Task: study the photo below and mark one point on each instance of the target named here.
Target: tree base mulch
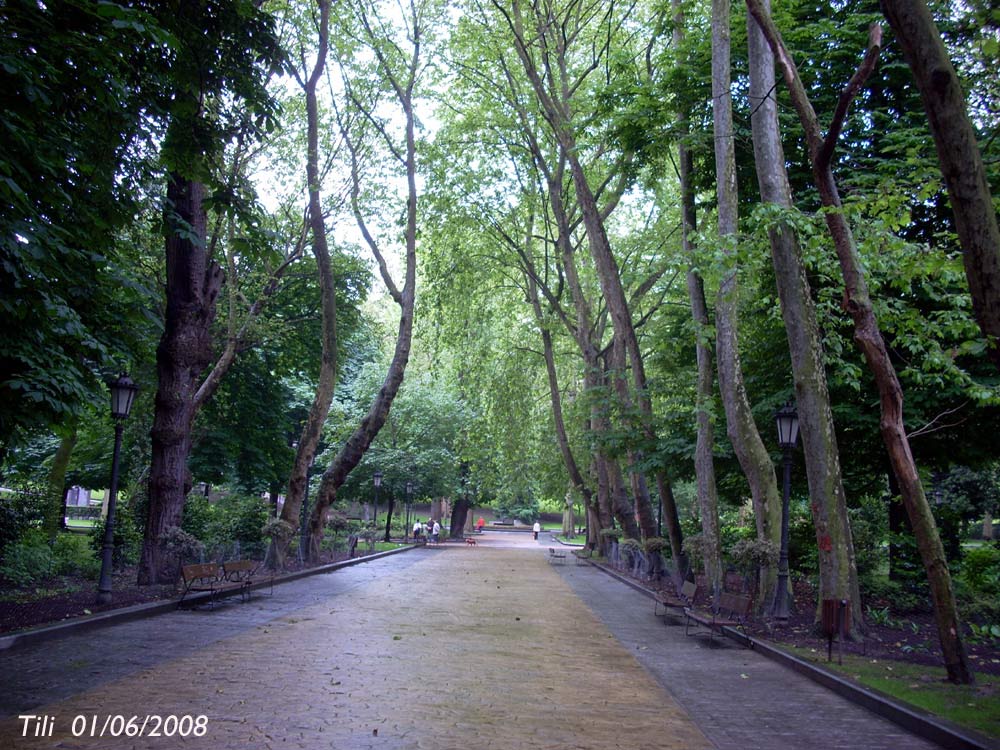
(65, 597)
(910, 637)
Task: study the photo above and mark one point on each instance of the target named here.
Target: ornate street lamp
(377, 480)
(123, 393)
(787, 420)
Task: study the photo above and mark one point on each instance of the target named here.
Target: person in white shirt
(536, 528)
(436, 532)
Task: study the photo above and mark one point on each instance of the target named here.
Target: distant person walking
(436, 532)
(536, 528)
(479, 525)
(417, 529)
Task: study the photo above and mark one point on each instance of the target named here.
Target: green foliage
(870, 534)
(751, 554)
(28, 560)
(980, 569)
(74, 556)
(20, 510)
(127, 537)
(893, 596)
(656, 544)
(232, 526)
(181, 545)
(630, 545)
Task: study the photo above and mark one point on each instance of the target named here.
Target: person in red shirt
(479, 524)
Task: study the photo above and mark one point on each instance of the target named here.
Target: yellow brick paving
(482, 647)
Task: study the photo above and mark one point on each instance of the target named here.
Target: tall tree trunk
(55, 497)
(354, 449)
(857, 302)
(312, 429)
(642, 509)
(548, 351)
(555, 101)
(459, 516)
(185, 350)
(740, 426)
(704, 462)
(959, 157)
(838, 576)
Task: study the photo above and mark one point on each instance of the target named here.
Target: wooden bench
(730, 611)
(211, 578)
(246, 572)
(682, 601)
(556, 554)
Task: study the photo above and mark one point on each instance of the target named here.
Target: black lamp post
(123, 393)
(377, 480)
(787, 420)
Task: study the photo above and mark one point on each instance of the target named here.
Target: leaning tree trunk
(55, 497)
(548, 351)
(357, 444)
(858, 304)
(704, 462)
(185, 350)
(740, 426)
(959, 157)
(838, 576)
(320, 408)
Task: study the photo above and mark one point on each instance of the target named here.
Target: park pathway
(456, 647)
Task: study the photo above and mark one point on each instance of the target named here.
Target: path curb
(31, 636)
(941, 731)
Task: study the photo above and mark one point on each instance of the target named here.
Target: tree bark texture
(459, 516)
(838, 578)
(185, 350)
(55, 497)
(319, 409)
(740, 426)
(959, 156)
(857, 303)
(552, 91)
(704, 462)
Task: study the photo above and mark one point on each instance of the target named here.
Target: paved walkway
(457, 647)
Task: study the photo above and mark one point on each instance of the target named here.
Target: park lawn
(974, 706)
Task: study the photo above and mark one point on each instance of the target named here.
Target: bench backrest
(199, 570)
(735, 604)
(239, 566)
(239, 570)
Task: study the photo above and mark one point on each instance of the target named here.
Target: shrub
(694, 549)
(656, 544)
(19, 511)
(751, 554)
(981, 569)
(630, 545)
(181, 545)
(127, 539)
(28, 560)
(611, 534)
(73, 556)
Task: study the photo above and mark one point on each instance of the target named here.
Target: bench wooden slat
(730, 611)
(683, 599)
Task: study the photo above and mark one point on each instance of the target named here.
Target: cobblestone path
(479, 647)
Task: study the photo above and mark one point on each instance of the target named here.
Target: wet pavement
(458, 646)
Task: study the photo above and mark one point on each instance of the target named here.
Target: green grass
(974, 706)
